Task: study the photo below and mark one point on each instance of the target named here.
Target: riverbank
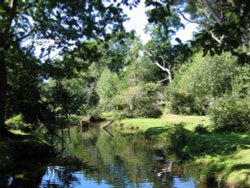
(225, 157)
(23, 150)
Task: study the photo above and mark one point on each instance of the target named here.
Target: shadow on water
(92, 158)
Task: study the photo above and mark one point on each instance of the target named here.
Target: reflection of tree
(93, 156)
(30, 176)
(119, 161)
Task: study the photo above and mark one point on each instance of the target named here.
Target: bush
(199, 81)
(95, 116)
(184, 103)
(177, 140)
(200, 129)
(17, 123)
(139, 101)
(231, 114)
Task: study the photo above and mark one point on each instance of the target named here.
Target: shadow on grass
(201, 144)
(186, 145)
(219, 143)
(244, 178)
(155, 131)
(241, 167)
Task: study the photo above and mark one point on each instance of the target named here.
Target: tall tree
(63, 21)
(160, 49)
(224, 24)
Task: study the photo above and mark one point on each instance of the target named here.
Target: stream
(92, 158)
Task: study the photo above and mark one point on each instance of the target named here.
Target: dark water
(95, 159)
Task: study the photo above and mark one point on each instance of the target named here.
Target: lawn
(142, 124)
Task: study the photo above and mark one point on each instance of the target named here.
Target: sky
(138, 22)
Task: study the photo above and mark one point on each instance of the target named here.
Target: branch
(104, 128)
(163, 68)
(219, 40)
(232, 2)
(149, 53)
(160, 81)
(213, 12)
(165, 62)
(185, 18)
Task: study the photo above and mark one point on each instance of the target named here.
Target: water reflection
(94, 159)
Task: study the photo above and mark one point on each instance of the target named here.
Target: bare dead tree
(164, 66)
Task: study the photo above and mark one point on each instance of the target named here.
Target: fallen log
(104, 128)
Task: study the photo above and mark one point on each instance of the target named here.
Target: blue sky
(138, 22)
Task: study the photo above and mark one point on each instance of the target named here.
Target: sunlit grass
(231, 170)
(145, 123)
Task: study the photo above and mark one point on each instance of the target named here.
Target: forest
(64, 60)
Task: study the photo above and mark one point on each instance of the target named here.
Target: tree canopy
(101, 66)
(63, 21)
(223, 24)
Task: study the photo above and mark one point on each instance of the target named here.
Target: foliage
(17, 123)
(231, 113)
(66, 96)
(223, 24)
(139, 101)
(23, 92)
(46, 24)
(201, 129)
(95, 115)
(200, 81)
(175, 137)
(184, 103)
(106, 88)
(241, 82)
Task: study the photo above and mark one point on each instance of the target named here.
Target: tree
(107, 87)
(224, 24)
(201, 81)
(159, 49)
(64, 21)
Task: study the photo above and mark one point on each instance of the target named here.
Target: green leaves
(224, 25)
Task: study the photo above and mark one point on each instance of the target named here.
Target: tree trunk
(3, 83)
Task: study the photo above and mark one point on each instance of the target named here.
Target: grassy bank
(225, 156)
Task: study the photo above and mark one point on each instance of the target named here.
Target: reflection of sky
(79, 180)
(180, 183)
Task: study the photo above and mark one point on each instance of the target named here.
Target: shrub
(200, 129)
(17, 123)
(177, 141)
(139, 101)
(231, 114)
(200, 80)
(183, 103)
(95, 116)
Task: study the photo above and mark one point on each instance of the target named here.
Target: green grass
(237, 168)
(231, 170)
(145, 123)
(223, 155)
